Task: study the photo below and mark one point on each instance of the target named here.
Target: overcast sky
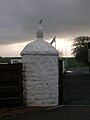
(63, 18)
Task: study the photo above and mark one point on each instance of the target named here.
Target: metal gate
(11, 92)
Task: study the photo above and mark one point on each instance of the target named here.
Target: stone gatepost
(40, 73)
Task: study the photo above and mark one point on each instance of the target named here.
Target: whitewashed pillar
(40, 71)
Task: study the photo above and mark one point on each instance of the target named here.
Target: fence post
(60, 82)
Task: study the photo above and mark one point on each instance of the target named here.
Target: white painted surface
(63, 66)
(39, 46)
(40, 71)
(13, 61)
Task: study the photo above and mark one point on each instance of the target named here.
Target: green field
(71, 62)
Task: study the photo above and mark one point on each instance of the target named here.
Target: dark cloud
(18, 18)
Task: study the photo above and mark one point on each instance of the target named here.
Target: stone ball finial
(39, 33)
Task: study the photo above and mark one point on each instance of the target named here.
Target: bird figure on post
(40, 21)
(39, 33)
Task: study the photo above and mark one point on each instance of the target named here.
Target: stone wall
(40, 80)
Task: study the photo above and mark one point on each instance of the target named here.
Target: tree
(80, 49)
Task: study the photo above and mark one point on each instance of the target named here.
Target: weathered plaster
(40, 72)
